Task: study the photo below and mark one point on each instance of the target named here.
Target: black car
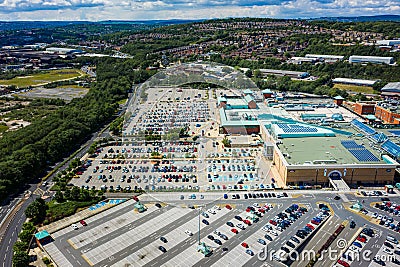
(237, 217)
(336, 198)
(217, 241)
(162, 249)
(245, 196)
(163, 239)
(290, 244)
(295, 239)
(388, 245)
(254, 196)
(230, 224)
(210, 237)
(268, 237)
(205, 222)
(265, 195)
(285, 249)
(158, 205)
(352, 224)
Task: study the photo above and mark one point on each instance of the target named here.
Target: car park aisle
(132, 236)
(107, 228)
(174, 239)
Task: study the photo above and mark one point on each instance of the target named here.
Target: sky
(97, 10)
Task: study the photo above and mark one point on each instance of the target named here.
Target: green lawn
(355, 88)
(42, 78)
(57, 211)
(3, 128)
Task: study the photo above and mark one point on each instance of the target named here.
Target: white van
(392, 239)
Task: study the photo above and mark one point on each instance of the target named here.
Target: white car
(216, 208)
(211, 211)
(74, 226)
(256, 205)
(189, 233)
(240, 226)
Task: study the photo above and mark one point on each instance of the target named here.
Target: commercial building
(388, 42)
(357, 155)
(371, 59)
(325, 58)
(358, 82)
(387, 114)
(63, 51)
(391, 89)
(293, 74)
(364, 107)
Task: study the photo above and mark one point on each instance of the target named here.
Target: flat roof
(391, 87)
(325, 56)
(354, 81)
(283, 72)
(298, 151)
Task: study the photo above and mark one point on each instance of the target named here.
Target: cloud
(95, 10)
(32, 5)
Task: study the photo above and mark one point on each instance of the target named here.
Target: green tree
(20, 259)
(59, 196)
(36, 211)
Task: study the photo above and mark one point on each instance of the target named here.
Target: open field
(355, 88)
(42, 78)
(66, 92)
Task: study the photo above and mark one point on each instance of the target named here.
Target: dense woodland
(26, 153)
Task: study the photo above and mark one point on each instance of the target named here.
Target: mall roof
(297, 150)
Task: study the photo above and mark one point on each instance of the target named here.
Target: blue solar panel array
(391, 148)
(380, 137)
(351, 144)
(295, 128)
(362, 127)
(364, 155)
(359, 151)
(395, 132)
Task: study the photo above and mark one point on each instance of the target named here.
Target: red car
(245, 245)
(314, 222)
(247, 222)
(310, 226)
(261, 210)
(272, 222)
(233, 230)
(135, 198)
(248, 210)
(228, 207)
(83, 222)
(361, 239)
(345, 264)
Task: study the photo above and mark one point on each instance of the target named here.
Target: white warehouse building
(371, 59)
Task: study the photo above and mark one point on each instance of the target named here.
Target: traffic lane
(11, 234)
(347, 234)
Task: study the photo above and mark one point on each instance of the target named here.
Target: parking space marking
(130, 237)
(57, 255)
(107, 228)
(174, 237)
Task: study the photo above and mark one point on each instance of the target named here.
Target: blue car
(357, 244)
